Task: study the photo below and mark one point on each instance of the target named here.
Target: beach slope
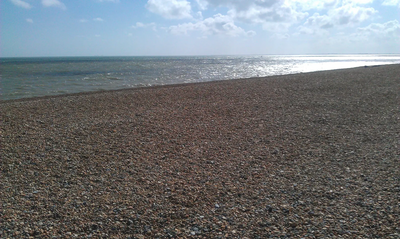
(308, 155)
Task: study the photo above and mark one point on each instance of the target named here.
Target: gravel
(312, 155)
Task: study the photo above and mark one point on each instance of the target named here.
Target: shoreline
(174, 85)
(309, 155)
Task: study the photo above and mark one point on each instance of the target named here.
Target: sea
(43, 76)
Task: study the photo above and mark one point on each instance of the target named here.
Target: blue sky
(197, 27)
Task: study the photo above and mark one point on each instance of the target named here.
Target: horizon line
(205, 55)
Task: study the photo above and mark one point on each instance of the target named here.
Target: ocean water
(32, 77)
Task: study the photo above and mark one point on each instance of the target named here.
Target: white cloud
(83, 20)
(391, 3)
(242, 4)
(170, 9)
(203, 4)
(138, 25)
(21, 3)
(316, 25)
(386, 31)
(217, 25)
(306, 30)
(318, 21)
(276, 17)
(306, 5)
(376, 37)
(281, 14)
(350, 14)
(98, 19)
(357, 2)
(198, 16)
(323, 19)
(29, 20)
(54, 3)
(116, 1)
(343, 16)
(271, 14)
(280, 36)
(143, 25)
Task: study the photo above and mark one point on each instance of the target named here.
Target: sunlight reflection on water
(30, 77)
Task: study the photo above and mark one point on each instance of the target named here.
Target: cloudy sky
(197, 27)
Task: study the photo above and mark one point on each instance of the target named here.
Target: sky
(32, 28)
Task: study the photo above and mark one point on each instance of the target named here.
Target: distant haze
(197, 27)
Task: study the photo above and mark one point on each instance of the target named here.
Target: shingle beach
(312, 155)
